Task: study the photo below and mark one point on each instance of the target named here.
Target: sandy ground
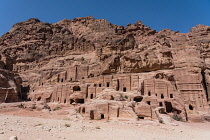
(37, 125)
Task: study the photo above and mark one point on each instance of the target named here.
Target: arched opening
(39, 99)
(102, 116)
(83, 110)
(149, 93)
(162, 96)
(107, 84)
(76, 88)
(61, 80)
(169, 107)
(160, 104)
(190, 107)
(124, 89)
(99, 85)
(91, 96)
(58, 98)
(92, 115)
(70, 79)
(148, 102)
(138, 99)
(171, 96)
(65, 101)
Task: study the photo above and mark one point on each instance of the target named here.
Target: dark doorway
(162, 96)
(124, 89)
(169, 107)
(81, 101)
(99, 85)
(190, 107)
(102, 116)
(83, 110)
(107, 84)
(171, 96)
(76, 88)
(148, 102)
(118, 112)
(160, 104)
(138, 99)
(91, 96)
(92, 115)
(149, 93)
(65, 101)
(118, 85)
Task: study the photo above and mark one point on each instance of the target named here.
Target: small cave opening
(111, 97)
(91, 96)
(124, 89)
(81, 101)
(39, 99)
(162, 96)
(190, 107)
(169, 107)
(102, 116)
(138, 98)
(76, 88)
(71, 101)
(171, 96)
(92, 115)
(99, 85)
(141, 118)
(148, 102)
(83, 110)
(149, 93)
(65, 101)
(160, 104)
(107, 84)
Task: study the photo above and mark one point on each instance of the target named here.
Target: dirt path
(30, 128)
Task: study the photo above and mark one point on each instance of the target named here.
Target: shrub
(161, 121)
(98, 127)
(67, 125)
(126, 97)
(21, 106)
(56, 108)
(177, 118)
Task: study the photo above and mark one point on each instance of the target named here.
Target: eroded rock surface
(107, 71)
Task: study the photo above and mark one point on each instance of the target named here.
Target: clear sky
(178, 15)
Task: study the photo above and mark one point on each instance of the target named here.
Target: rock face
(108, 71)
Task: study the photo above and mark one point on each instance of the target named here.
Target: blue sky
(178, 15)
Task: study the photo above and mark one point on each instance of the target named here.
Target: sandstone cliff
(91, 61)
